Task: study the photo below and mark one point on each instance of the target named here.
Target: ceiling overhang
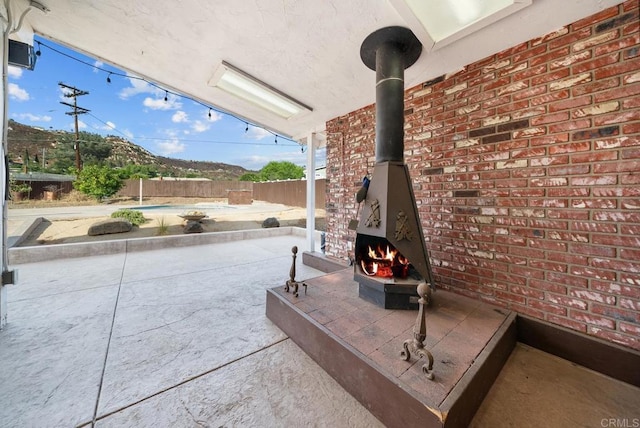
(307, 50)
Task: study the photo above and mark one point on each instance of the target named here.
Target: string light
(209, 114)
(246, 129)
(167, 92)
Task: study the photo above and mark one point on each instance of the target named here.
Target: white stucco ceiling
(308, 49)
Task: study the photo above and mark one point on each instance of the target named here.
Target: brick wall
(526, 169)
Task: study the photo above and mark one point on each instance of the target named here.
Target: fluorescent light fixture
(242, 85)
(445, 21)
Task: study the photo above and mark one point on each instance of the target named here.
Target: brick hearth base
(359, 345)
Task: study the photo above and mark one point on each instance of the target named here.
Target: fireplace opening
(377, 257)
(385, 276)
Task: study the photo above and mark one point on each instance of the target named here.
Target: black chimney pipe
(389, 51)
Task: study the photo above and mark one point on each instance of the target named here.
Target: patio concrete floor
(178, 337)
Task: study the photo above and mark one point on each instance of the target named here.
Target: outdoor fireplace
(390, 252)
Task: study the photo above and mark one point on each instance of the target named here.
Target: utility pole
(75, 93)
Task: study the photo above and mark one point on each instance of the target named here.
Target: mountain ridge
(40, 144)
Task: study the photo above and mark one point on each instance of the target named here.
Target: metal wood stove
(390, 252)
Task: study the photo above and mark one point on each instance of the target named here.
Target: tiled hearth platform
(359, 345)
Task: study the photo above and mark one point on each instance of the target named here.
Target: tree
(249, 176)
(280, 170)
(98, 181)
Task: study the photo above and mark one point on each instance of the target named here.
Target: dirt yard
(59, 231)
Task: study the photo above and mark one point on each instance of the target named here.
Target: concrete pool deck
(178, 337)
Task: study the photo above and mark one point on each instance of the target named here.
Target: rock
(270, 222)
(193, 226)
(109, 226)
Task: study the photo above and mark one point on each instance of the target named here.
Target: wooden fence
(185, 189)
(292, 193)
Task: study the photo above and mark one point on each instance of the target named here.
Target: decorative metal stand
(416, 345)
(291, 282)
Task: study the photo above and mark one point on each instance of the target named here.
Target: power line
(167, 92)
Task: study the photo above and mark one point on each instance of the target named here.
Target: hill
(42, 146)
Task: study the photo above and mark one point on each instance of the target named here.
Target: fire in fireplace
(390, 251)
(383, 260)
(379, 258)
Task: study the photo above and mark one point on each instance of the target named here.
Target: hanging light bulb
(247, 128)
(276, 139)
(209, 114)
(109, 78)
(38, 53)
(166, 96)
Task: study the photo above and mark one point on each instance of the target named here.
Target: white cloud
(199, 126)
(81, 125)
(179, 117)
(17, 93)
(32, 117)
(109, 126)
(15, 72)
(172, 103)
(167, 148)
(128, 134)
(258, 133)
(138, 87)
(96, 65)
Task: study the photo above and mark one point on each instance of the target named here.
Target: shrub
(98, 181)
(134, 216)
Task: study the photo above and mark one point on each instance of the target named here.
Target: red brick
(621, 166)
(617, 288)
(595, 87)
(594, 157)
(599, 180)
(590, 272)
(616, 313)
(567, 280)
(612, 336)
(634, 330)
(565, 322)
(592, 319)
(634, 305)
(626, 253)
(570, 126)
(509, 297)
(570, 103)
(616, 93)
(548, 307)
(617, 45)
(570, 170)
(570, 38)
(595, 19)
(621, 68)
(497, 83)
(623, 241)
(593, 296)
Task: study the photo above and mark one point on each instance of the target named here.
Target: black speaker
(21, 55)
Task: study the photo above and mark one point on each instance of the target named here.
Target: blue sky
(137, 111)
